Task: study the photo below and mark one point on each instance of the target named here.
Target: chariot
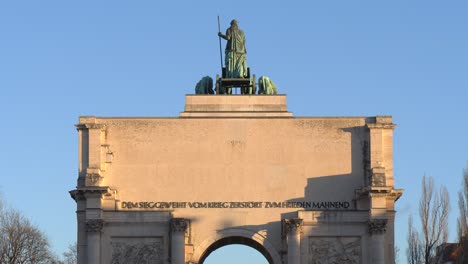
(225, 85)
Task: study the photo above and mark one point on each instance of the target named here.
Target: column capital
(293, 225)
(94, 225)
(377, 226)
(179, 224)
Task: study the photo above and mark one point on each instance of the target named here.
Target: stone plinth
(235, 106)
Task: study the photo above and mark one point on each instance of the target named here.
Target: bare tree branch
(434, 209)
(20, 241)
(414, 252)
(71, 256)
(462, 222)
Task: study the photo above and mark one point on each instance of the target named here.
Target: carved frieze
(134, 250)
(377, 226)
(331, 250)
(94, 225)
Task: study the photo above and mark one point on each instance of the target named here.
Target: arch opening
(236, 240)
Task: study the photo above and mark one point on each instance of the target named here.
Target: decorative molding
(395, 194)
(293, 225)
(383, 119)
(81, 192)
(77, 195)
(381, 126)
(343, 250)
(179, 224)
(90, 126)
(375, 191)
(94, 225)
(377, 226)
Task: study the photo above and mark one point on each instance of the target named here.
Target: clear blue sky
(63, 59)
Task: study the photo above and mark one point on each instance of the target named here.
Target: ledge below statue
(235, 106)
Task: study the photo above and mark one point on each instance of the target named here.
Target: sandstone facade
(235, 169)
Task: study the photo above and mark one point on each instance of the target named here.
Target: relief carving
(334, 250)
(93, 179)
(137, 252)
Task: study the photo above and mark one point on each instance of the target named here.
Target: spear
(220, 49)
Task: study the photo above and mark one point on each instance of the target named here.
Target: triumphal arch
(235, 169)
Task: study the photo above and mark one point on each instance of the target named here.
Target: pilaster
(90, 223)
(293, 228)
(377, 230)
(381, 151)
(93, 230)
(94, 153)
(178, 228)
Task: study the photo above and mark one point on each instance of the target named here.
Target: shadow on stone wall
(329, 188)
(341, 188)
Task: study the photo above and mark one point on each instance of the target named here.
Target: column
(178, 227)
(93, 232)
(377, 228)
(294, 227)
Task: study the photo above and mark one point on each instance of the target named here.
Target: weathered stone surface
(232, 169)
(331, 250)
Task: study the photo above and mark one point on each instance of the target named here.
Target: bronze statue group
(235, 73)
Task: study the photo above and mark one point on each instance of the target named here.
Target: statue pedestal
(235, 106)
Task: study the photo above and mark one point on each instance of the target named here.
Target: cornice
(81, 192)
(381, 126)
(83, 126)
(374, 191)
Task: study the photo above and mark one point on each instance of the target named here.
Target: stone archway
(236, 240)
(237, 236)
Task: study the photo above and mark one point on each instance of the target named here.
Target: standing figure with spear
(235, 60)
